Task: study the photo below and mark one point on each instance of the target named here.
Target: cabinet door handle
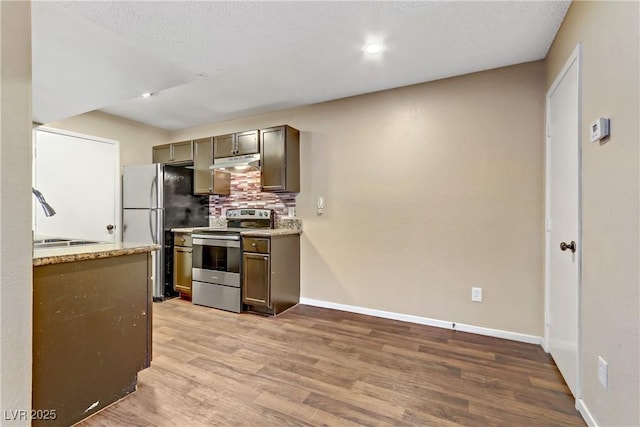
(253, 245)
(266, 258)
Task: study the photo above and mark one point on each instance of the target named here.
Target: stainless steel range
(217, 259)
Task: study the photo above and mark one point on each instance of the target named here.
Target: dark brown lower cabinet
(182, 270)
(182, 263)
(91, 335)
(271, 273)
(256, 279)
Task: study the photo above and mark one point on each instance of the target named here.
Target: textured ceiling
(212, 61)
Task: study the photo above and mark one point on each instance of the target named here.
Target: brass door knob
(571, 246)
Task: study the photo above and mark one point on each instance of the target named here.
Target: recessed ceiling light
(373, 48)
(147, 94)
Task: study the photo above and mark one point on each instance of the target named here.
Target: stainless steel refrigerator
(155, 199)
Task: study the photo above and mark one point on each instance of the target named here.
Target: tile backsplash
(245, 193)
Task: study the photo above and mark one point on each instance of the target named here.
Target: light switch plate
(599, 129)
(320, 205)
(476, 294)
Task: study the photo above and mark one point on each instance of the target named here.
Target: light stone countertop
(284, 226)
(46, 256)
(271, 232)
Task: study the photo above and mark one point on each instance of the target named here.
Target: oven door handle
(212, 237)
(226, 241)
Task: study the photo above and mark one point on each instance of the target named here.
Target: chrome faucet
(48, 210)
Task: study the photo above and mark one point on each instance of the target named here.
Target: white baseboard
(586, 415)
(514, 336)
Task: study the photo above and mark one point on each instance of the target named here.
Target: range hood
(244, 163)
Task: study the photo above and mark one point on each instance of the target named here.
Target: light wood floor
(319, 367)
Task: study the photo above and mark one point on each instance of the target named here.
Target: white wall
(610, 306)
(15, 209)
(136, 139)
(429, 190)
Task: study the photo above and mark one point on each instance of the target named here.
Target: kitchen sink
(83, 242)
(41, 241)
(61, 243)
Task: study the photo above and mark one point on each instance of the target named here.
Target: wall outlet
(603, 372)
(476, 294)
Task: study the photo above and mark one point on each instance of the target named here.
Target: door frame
(576, 56)
(118, 173)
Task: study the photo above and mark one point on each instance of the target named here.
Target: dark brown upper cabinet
(237, 144)
(247, 142)
(175, 153)
(206, 181)
(225, 145)
(162, 153)
(280, 159)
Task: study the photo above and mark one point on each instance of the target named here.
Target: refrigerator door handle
(152, 230)
(160, 226)
(154, 184)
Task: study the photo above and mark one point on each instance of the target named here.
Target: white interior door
(79, 176)
(563, 244)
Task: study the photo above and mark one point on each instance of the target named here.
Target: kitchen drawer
(217, 296)
(182, 239)
(254, 244)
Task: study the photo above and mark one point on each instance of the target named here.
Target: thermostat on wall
(599, 129)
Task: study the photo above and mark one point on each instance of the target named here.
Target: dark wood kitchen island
(91, 328)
